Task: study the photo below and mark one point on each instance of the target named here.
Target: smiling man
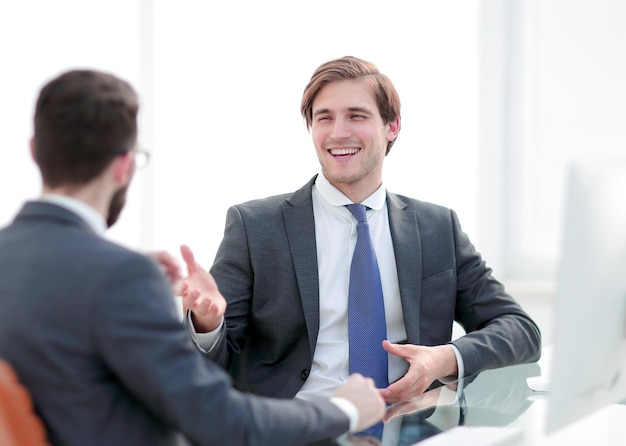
(284, 268)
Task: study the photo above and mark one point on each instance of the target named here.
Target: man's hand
(361, 392)
(170, 267)
(201, 295)
(426, 364)
(418, 403)
(440, 396)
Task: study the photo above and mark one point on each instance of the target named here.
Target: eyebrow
(350, 109)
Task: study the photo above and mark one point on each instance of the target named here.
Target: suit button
(304, 374)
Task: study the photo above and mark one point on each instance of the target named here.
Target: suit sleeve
(499, 331)
(233, 272)
(141, 340)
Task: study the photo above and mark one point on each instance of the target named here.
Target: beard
(115, 207)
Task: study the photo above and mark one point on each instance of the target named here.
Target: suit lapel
(300, 224)
(408, 252)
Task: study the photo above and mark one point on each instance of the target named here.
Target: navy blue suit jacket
(93, 332)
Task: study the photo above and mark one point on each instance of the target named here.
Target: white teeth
(344, 151)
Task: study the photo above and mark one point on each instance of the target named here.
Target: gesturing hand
(200, 295)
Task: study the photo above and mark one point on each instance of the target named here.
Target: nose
(340, 130)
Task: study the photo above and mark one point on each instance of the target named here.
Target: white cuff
(349, 409)
(204, 341)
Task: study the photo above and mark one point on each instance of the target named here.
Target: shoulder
(124, 259)
(271, 204)
(423, 208)
(274, 205)
(430, 217)
(128, 279)
(109, 262)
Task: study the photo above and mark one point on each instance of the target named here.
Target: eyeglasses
(142, 156)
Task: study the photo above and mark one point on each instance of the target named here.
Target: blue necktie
(366, 309)
(366, 312)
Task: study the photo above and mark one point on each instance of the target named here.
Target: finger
(188, 257)
(177, 287)
(213, 309)
(184, 289)
(191, 295)
(201, 304)
(187, 302)
(209, 309)
(200, 307)
(396, 349)
(165, 262)
(173, 273)
(396, 391)
(168, 260)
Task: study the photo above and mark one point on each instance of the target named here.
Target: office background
(497, 96)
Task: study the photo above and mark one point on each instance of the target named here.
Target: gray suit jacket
(93, 333)
(266, 267)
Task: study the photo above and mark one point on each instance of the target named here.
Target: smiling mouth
(344, 151)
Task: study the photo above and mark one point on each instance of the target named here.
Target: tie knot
(358, 210)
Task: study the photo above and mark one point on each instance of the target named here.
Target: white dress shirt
(335, 234)
(84, 211)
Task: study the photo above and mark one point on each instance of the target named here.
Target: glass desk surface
(499, 397)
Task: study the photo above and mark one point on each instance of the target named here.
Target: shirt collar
(334, 197)
(84, 211)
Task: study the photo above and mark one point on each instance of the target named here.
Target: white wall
(563, 96)
(228, 85)
(497, 95)
(38, 40)
(221, 87)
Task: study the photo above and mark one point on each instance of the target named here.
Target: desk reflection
(491, 398)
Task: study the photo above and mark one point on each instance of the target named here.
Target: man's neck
(83, 210)
(89, 194)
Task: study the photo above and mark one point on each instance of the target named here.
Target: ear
(394, 129)
(123, 168)
(32, 150)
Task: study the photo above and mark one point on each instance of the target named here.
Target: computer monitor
(588, 369)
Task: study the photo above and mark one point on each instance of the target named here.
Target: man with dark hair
(91, 327)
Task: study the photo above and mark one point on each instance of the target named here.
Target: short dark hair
(83, 119)
(350, 67)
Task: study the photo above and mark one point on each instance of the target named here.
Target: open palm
(201, 295)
